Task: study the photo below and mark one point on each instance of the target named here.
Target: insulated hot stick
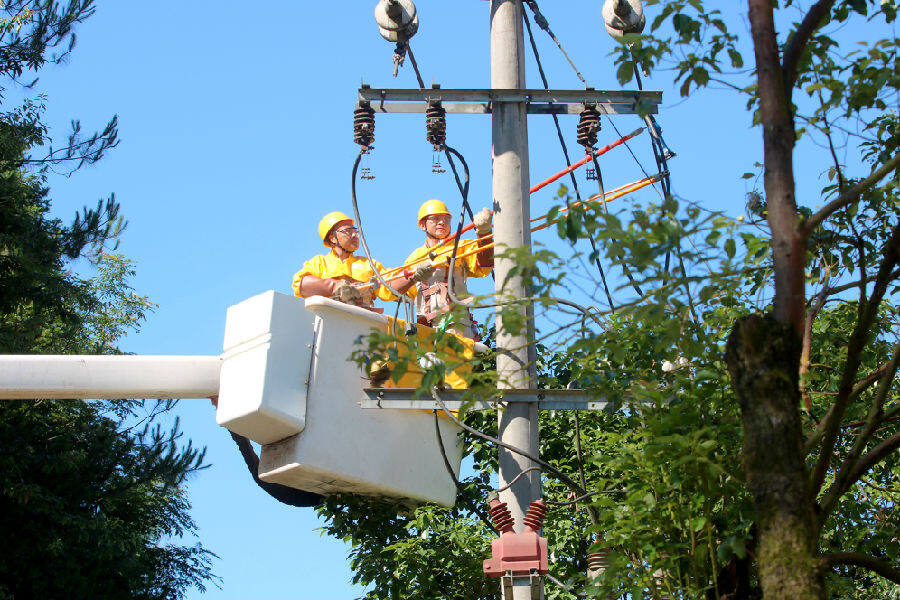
(568, 170)
(587, 159)
(405, 271)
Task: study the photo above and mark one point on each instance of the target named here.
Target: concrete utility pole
(518, 424)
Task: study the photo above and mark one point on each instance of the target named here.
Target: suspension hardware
(436, 166)
(364, 125)
(656, 132)
(399, 56)
(588, 127)
(397, 22)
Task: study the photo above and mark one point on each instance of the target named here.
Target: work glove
(423, 271)
(483, 220)
(366, 294)
(347, 293)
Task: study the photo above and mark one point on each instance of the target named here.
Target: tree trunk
(763, 357)
(777, 120)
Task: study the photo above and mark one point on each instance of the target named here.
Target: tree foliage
(92, 494)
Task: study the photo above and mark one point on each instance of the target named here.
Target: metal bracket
(406, 398)
(539, 101)
(532, 580)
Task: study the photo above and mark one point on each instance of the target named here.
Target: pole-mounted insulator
(436, 125)
(500, 515)
(588, 127)
(623, 16)
(364, 124)
(597, 563)
(534, 518)
(397, 19)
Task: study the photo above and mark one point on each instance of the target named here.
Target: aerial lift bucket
(287, 382)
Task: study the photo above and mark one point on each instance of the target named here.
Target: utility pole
(518, 423)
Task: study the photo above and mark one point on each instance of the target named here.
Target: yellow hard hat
(432, 207)
(328, 222)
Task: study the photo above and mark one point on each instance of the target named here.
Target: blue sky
(235, 123)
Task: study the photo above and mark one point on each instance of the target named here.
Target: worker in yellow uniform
(343, 276)
(433, 303)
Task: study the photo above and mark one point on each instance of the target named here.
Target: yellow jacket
(329, 266)
(468, 266)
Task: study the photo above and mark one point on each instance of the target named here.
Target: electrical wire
(572, 501)
(517, 477)
(537, 58)
(565, 150)
(456, 482)
(564, 586)
(415, 65)
(541, 20)
(464, 190)
(547, 467)
(411, 309)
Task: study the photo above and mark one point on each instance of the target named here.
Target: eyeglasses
(438, 218)
(347, 230)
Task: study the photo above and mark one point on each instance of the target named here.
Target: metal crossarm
(537, 101)
(401, 398)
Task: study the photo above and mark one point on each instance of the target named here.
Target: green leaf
(625, 72)
(730, 247)
(700, 75)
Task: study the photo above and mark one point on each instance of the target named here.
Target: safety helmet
(328, 222)
(432, 207)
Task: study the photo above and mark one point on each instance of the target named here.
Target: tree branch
(877, 454)
(795, 46)
(843, 288)
(847, 475)
(850, 196)
(862, 560)
(811, 315)
(864, 383)
(858, 339)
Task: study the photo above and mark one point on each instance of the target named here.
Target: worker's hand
(423, 271)
(483, 220)
(347, 293)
